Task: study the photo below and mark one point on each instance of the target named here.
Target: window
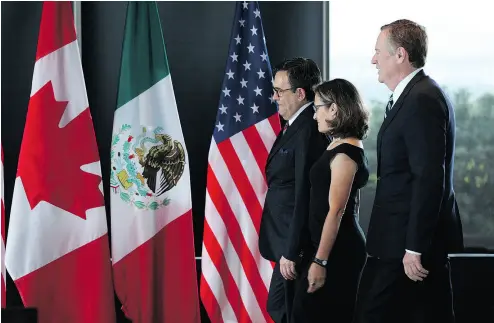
(461, 59)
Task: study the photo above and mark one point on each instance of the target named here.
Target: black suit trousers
(387, 295)
(280, 297)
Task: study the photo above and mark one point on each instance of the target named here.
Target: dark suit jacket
(415, 206)
(286, 209)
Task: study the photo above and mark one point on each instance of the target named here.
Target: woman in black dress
(327, 287)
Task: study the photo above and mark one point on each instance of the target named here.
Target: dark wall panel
(197, 36)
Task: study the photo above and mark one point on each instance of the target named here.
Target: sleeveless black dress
(335, 301)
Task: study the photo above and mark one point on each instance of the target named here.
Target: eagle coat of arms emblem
(145, 167)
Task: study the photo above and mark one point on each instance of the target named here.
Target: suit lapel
(282, 139)
(393, 112)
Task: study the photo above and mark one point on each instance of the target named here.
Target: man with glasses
(284, 234)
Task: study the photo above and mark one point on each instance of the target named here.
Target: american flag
(235, 278)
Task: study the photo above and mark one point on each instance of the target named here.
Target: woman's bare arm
(343, 170)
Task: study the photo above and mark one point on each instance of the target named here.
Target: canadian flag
(57, 249)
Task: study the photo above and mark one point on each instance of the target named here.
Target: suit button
(379, 178)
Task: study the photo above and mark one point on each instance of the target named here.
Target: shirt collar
(292, 119)
(403, 84)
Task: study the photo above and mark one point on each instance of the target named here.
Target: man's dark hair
(352, 118)
(302, 73)
(412, 37)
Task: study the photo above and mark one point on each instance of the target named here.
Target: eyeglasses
(316, 107)
(279, 91)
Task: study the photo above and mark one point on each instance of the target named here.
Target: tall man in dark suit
(415, 221)
(284, 234)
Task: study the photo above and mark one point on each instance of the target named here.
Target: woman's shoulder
(353, 148)
(346, 144)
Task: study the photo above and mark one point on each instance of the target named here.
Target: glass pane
(461, 59)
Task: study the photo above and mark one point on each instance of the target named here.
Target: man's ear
(401, 53)
(301, 94)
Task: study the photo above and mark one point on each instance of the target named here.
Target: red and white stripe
(235, 278)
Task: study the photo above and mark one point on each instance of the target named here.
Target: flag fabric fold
(235, 278)
(151, 218)
(58, 250)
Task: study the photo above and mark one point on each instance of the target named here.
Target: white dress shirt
(402, 85)
(296, 114)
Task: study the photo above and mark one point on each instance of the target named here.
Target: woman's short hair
(352, 118)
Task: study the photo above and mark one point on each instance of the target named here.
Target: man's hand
(316, 277)
(413, 267)
(287, 269)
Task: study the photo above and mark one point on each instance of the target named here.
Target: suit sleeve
(306, 154)
(425, 139)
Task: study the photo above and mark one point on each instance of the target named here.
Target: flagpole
(325, 39)
(76, 5)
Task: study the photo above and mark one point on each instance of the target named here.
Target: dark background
(197, 62)
(197, 35)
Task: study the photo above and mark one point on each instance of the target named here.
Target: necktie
(285, 127)
(388, 106)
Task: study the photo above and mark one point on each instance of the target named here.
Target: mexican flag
(151, 219)
(58, 252)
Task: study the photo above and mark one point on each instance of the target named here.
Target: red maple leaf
(51, 157)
